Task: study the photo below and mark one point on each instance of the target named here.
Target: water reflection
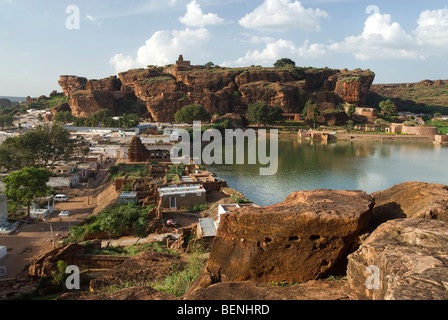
(342, 166)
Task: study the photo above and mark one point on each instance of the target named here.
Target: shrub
(179, 281)
(190, 113)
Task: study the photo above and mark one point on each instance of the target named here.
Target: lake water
(339, 166)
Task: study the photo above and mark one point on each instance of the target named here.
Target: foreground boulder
(306, 237)
(312, 290)
(130, 294)
(409, 261)
(411, 200)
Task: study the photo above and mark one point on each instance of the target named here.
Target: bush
(179, 281)
(190, 113)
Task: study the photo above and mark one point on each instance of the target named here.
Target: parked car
(61, 198)
(65, 214)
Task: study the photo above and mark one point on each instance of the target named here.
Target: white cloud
(281, 49)
(380, 39)
(257, 40)
(432, 29)
(283, 15)
(196, 18)
(163, 48)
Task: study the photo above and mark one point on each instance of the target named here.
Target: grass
(117, 219)
(196, 208)
(441, 125)
(179, 281)
(130, 170)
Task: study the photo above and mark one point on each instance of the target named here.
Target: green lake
(339, 166)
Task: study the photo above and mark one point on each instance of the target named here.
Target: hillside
(164, 90)
(423, 97)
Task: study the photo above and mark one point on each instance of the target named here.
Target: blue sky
(401, 41)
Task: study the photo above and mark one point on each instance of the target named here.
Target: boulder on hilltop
(306, 237)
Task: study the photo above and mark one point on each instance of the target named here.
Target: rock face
(165, 90)
(411, 260)
(312, 290)
(411, 200)
(85, 104)
(46, 264)
(307, 236)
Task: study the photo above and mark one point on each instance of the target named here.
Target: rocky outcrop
(46, 264)
(86, 103)
(353, 87)
(411, 200)
(5, 103)
(71, 84)
(165, 90)
(407, 260)
(306, 237)
(323, 290)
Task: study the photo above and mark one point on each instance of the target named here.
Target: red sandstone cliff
(164, 90)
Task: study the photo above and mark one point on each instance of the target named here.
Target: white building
(225, 208)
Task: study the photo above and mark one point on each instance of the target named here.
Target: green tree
(27, 184)
(315, 114)
(261, 113)
(64, 117)
(284, 62)
(140, 229)
(190, 113)
(6, 120)
(111, 224)
(351, 110)
(209, 64)
(350, 125)
(41, 148)
(388, 107)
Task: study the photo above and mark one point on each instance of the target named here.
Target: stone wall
(420, 131)
(383, 138)
(441, 138)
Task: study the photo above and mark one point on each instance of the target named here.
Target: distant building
(182, 63)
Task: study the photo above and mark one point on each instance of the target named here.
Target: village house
(175, 197)
(72, 174)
